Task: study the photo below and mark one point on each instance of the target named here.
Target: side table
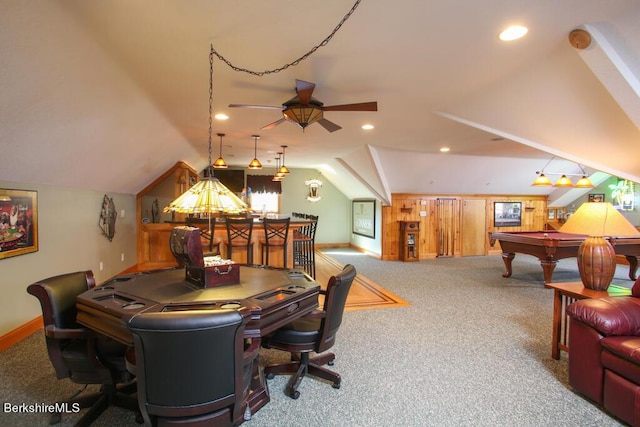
(563, 295)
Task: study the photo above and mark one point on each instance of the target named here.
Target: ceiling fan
(303, 109)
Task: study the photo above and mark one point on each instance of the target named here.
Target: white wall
(70, 239)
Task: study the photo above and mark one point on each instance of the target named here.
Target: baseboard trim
(20, 333)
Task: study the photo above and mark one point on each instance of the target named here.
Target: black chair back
(334, 303)
(239, 234)
(190, 364)
(57, 296)
(276, 234)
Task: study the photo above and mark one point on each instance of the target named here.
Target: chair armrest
(52, 331)
(610, 315)
(316, 314)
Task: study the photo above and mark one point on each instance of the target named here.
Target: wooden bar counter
(154, 251)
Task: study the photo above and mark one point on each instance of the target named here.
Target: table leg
(633, 266)
(548, 267)
(557, 325)
(507, 258)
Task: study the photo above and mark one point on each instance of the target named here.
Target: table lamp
(596, 256)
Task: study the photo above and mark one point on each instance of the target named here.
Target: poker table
(550, 246)
(273, 296)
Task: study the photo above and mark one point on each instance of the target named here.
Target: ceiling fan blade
(330, 126)
(362, 106)
(268, 107)
(304, 90)
(272, 125)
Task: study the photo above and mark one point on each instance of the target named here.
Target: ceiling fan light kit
(304, 110)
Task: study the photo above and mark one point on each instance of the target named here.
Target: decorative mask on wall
(313, 185)
(108, 218)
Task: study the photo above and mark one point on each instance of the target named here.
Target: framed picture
(507, 214)
(363, 218)
(551, 214)
(18, 222)
(596, 197)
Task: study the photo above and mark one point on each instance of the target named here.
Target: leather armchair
(315, 332)
(193, 367)
(604, 353)
(76, 352)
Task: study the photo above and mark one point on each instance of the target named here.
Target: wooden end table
(563, 295)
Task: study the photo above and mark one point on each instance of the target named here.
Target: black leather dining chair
(78, 353)
(276, 235)
(239, 235)
(315, 332)
(193, 366)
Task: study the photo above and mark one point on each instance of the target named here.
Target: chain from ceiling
(295, 62)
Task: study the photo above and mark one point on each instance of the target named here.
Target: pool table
(550, 246)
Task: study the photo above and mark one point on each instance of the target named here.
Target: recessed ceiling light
(367, 126)
(513, 32)
(221, 116)
(444, 149)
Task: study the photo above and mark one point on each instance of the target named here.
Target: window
(269, 202)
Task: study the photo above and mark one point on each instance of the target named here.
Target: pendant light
(255, 163)
(283, 169)
(277, 176)
(209, 195)
(220, 163)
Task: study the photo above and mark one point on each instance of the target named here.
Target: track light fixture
(564, 181)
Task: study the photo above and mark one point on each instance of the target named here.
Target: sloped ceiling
(108, 94)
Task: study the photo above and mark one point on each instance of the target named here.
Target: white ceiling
(108, 94)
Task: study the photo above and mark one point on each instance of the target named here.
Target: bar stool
(239, 233)
(207, 232)
(304, 248)
(276, 234)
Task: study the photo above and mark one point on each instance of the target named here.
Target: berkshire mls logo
(59, 407)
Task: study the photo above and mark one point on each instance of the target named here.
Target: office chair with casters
(276, 235)
(193, 367)
(78, 353)
(315, 332)
(239, 234)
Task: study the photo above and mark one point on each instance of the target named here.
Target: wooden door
(473, 228)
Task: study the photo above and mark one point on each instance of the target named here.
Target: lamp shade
(542, 181)
(208, 196)
(596, 257)
(599, 219)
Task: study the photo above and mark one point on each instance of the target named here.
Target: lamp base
(596, 263)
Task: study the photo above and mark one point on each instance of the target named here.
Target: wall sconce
(314, 185)
(564, 181)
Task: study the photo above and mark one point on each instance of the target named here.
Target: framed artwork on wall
(363, 218)
(596, 197)
(18, 222)
(507, 214)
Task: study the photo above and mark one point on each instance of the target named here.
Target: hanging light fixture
(220, 163)
(277, 176)
(564, 181)
(255, 163)
(208, 195)
(283, 169)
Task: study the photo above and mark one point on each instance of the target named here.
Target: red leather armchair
(604, 353)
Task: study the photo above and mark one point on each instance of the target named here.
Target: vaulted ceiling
(108, 94)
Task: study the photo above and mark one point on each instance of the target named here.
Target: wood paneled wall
(441, 222)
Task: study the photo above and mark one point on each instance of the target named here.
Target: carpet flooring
(471, 349)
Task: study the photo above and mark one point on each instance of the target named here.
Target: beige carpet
(364, 294)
